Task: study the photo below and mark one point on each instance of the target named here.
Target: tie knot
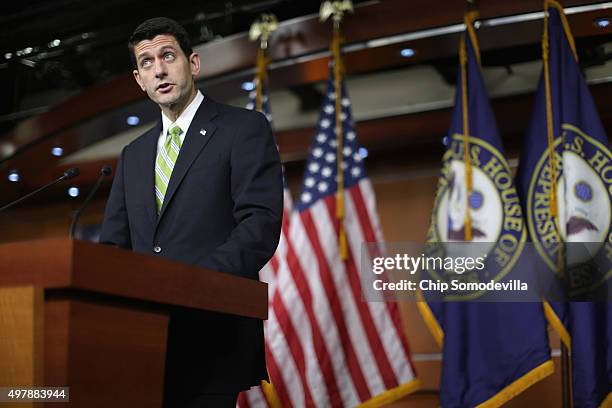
(174, 130)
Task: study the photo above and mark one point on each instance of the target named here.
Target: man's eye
(169, 56)
(145, 62)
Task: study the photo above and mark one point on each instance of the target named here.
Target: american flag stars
(320, 178)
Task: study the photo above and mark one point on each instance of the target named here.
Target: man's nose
(160, 68)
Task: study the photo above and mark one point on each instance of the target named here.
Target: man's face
(164, 71)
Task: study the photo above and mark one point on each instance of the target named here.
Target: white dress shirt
(183, 121)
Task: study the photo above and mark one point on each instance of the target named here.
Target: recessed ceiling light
(74, 192)
(13, 176)
(603, 22)
(248, 86)
(57, 151)
(407, 52)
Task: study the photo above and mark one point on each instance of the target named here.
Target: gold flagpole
(261, 31)
(549, 119)
(566, 383)
(336, 10)
(469, 17)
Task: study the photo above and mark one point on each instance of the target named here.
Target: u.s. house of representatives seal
(583, 179)
(497, 226)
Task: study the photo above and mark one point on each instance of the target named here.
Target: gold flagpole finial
(335, 9)
(262, 28)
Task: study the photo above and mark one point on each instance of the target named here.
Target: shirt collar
(184, 120)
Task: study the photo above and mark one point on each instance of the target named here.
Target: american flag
(328, 347)
(264, 396)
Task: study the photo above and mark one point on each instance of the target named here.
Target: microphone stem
(25, 197)
(77, 214)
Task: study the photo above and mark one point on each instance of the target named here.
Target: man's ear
(194, 63)
(137, 78)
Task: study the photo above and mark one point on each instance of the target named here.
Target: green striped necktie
(166, 158)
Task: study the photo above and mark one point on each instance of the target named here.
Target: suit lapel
(200, 131)
(147, 168)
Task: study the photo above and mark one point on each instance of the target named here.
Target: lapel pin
(203, 132)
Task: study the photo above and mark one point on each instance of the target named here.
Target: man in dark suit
(204, 187)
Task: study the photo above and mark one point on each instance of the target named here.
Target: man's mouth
(165, 87)
(578, 224)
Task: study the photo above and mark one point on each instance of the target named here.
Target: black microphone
(68, 174)
(105, 171)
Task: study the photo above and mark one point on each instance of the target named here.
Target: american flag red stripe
(322, 323)
(288, 372)
(292, 375)
(386, 315)
(368, 221)
(278, 320)
(333, 294)
(319, 376)
(288, 327)
(242, 400)
(352, 276)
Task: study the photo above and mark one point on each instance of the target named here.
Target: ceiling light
(13, 176)
(74, 192)
(407, 52)
(57, 151)
(603, 22)
(248, 86)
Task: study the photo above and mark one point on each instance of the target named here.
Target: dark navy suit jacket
(222, 211)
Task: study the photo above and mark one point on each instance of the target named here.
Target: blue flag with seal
(565, 184)
(491, 351)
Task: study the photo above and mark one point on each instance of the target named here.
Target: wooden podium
(95, 318)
